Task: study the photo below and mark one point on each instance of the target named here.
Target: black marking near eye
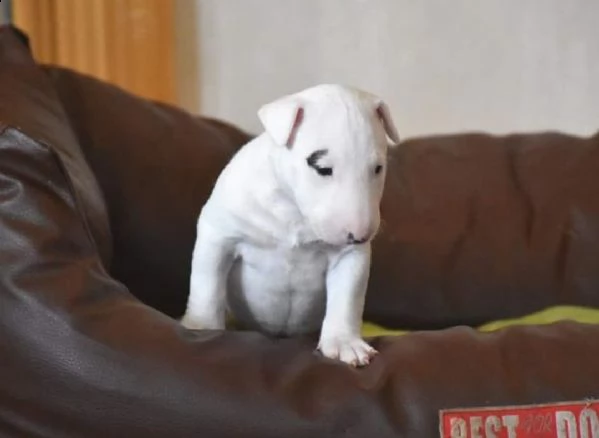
(312, 161)
(378, 169)
(313, 158)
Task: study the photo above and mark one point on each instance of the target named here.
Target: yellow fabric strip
(550, 315)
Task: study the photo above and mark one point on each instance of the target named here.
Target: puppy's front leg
(347, 281)
(211, 261)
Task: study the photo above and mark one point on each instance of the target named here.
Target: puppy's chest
(288, 268)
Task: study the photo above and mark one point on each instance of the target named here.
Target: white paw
(199, 323)
(351, 350)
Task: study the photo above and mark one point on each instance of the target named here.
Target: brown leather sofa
(99, 193)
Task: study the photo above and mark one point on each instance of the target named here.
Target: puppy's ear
(281, 119)
(382, 111)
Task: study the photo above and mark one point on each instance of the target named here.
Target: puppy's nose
(352, 240)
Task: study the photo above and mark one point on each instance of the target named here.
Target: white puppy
(283, 242)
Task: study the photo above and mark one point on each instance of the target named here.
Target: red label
(557, 420)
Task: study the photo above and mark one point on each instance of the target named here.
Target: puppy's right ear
(281, 119)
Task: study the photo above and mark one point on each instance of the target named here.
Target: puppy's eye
(324, 171)
(378, 169)
(313, 159)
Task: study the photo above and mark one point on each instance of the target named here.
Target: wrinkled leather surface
(80, 356)
(482, 227)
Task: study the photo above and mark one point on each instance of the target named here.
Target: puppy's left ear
(382, 111)
(282, 118)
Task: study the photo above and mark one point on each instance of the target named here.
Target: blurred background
(442, 66)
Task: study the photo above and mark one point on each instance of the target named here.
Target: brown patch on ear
(299, 117)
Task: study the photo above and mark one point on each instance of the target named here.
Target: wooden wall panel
(130, 43)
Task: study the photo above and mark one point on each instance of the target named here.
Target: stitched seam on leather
(75, 93)
(71, 188)
(80, 210)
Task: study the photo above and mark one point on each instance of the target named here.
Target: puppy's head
(333, 141)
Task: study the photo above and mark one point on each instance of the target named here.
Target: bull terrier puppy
(283, 242)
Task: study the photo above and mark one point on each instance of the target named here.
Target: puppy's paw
(198, 323)
(351, 350)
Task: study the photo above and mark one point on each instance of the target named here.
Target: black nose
(351, 239)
